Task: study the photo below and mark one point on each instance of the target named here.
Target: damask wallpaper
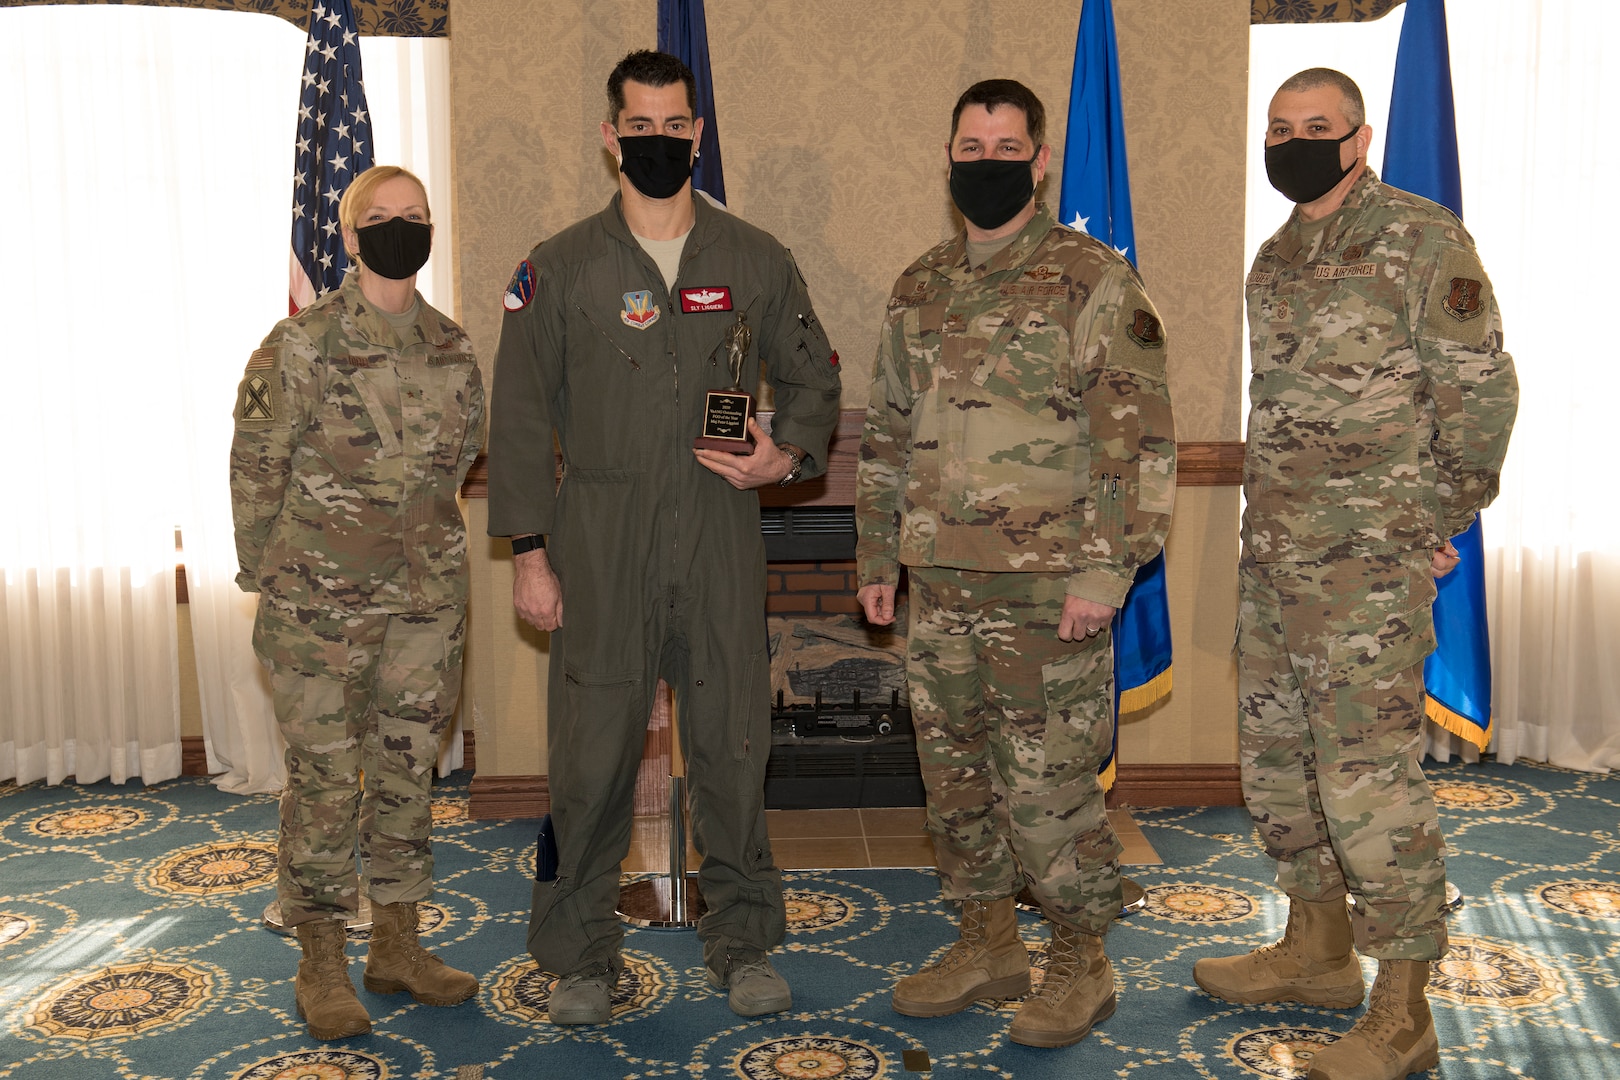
(833, 121)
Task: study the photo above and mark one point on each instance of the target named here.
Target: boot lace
(975, 923)
(1064, 966)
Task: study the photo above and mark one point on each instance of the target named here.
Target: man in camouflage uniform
(1019, 459)
(356, 421)
(1381, 403)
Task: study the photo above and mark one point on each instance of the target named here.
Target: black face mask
(990, 192)
(395, 248)
(1304, 170)
(658, 165)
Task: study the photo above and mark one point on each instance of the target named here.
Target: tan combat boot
(323, 992)
(1314, 964)
(1394, 1038)
(1076, 993)
(396, 962)
(987, 961)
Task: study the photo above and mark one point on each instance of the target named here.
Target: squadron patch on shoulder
(1462, 301)
(1459, 293)
(1145, 330)
(639, 310)
(256, 400)
(520, 290)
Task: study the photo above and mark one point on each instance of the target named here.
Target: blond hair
(362, 192)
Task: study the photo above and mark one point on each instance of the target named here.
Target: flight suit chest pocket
(1026, 360)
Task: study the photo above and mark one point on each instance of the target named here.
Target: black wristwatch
(798, 465)
(520, 544)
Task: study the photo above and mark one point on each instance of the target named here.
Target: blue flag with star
(1096, 199)
(1420, 156)
(684, 32)
(333, 147)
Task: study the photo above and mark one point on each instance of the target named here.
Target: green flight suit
(661, 562)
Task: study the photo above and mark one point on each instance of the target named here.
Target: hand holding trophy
(726, 412)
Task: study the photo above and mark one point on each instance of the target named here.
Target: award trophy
(726, 412)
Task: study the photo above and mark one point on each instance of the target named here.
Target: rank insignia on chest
(1462, 302)
(706, 298)
(955, 323)
(520, 290)
(639, 310)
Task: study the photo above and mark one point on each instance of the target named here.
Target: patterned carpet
(131, 946)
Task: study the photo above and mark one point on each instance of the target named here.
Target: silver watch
(798, 465)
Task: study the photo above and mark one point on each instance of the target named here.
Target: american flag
(334, 146)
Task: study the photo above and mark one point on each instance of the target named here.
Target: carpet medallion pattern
(131, 947)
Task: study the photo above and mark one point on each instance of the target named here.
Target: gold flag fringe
(1458, 724)
(1140, 697)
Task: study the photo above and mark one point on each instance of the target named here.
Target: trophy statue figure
(726, 412)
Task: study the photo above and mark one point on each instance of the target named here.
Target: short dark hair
(993, 93)
(648, 68)
(1355, 109)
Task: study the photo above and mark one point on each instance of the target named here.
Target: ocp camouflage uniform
(351, 442)
(1380, 408)
(1018, 448)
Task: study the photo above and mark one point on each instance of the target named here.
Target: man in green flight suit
(615, 329)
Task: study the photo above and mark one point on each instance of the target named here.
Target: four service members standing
(1018, 459)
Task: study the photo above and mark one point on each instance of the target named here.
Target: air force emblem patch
(639, 310)
(520, 290)
(1144, 330)
(1463, 301)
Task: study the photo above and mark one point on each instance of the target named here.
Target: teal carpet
(131, 946)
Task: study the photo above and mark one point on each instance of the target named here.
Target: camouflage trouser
(1012, 725)
(1330, 687)
(353, 693)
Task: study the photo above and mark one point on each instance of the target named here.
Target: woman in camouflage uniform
(356, 422)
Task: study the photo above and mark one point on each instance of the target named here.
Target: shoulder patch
(1144, 329)
(1459, 301)
(261, 360)
(520, 290)
(258, 399)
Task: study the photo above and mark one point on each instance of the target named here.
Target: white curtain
(1538, 78)
(1531, 80)
(150, 182)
